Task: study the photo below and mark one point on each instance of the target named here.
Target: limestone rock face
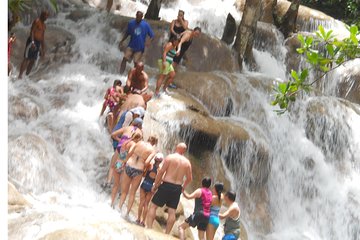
(349, 86)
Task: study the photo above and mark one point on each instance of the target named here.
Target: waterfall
(296, 176)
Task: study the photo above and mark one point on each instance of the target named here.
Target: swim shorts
(168, 67)
(169, 194)
(32, 53)
(198, 220)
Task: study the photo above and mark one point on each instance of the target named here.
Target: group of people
(137, 164)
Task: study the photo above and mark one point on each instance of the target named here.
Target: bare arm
(123, 39)
(149, 158)
(185, 36)
(160, 174)
(188, 177)
(195, 194)
(115, 135)
(146, 79)
(130, 153)
(184, 23)
(129, 79)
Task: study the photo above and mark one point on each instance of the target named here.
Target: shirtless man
(34, 44)
(232, 216)
(137, 160)
(186, 38)
(170, 182)
(138, 81)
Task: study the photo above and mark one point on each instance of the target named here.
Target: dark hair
(153, 140)
(219, 188)
(44, 14)
(117, 82)
(197, 29)
(182, 11)
(126, 89)
(174, 38)
(206, 182)
(231, 196)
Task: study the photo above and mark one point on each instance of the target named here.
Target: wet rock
(24, 108)
(349, 85)
(33, 165)
(229, 30)
(16, 202)
(78, 14)
(58, 49)
(209, 88)
(293, 59)
(153, 10)
(204, 54)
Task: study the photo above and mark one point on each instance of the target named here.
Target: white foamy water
(311, 173)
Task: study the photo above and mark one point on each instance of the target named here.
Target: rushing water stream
(59, 152)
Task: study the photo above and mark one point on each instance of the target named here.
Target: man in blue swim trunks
(34, 44)
(138, 29)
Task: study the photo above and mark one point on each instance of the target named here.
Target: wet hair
(153, 140)
(139, 12)
(182, 11)
(126, 89)
(117, 82)
(136, 136)
(197, 29)
(44, 14)
(206, 182)
(231, 196)
(219, 188)
(174, 38)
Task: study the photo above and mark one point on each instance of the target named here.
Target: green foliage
(18, 6)
(324, 53)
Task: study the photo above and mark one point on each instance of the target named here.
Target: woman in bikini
(119, 163)
(214, 220)
(145, 188)
(125, 133)
(178, 25)
(137, 160)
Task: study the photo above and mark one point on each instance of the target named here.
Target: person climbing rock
(232, 216)
(138, 81)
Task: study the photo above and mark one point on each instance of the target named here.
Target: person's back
(142, 151)
(180, 165)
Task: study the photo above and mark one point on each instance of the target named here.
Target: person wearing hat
(145, 187)
(121, 136)
(137, 160)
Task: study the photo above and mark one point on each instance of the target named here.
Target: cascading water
(297, 176)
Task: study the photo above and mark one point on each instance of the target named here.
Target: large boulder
(25, 108)
(349, 82)
(205, 53)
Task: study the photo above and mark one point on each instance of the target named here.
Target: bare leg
(158, 83)
(146, 205)
(182, 228)
(151, 216)
(125, 185)
(171, 220)
(201, 235)
(23, 66)
(112, 163)
(210, 232)
(141, 204)
(115, 188)
(110, 121)
(30, 66)
(169, 80)
(135, 182)
(123, 65)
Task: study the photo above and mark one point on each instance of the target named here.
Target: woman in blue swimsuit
(214, 219)
(145, 188)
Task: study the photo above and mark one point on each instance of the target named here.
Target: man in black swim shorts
(168, 185)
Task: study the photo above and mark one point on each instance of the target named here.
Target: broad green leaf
(324, 68)
(304, 74)
(330, 50)
(329, 35)
(295, 75)
(301, 38)
(353, 29)
(354, 39)
(322, 31)
(282, 87)
(300, 50)
(309, 40)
